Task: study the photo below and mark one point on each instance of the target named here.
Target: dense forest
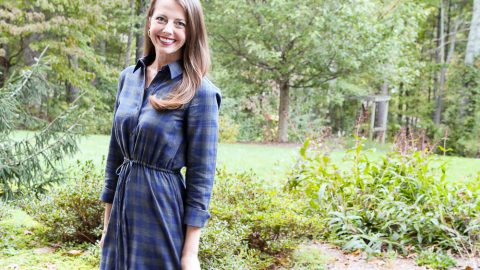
(287, 71)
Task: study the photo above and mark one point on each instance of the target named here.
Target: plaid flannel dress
(151, 201)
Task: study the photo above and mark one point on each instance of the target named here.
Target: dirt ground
(339, 260)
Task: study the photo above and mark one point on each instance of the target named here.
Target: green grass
(309, 258)
(21, 248)
(269, 162)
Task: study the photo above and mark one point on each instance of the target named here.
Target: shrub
(228, 130)
(400, 202)
(72, 211)
(5, 210)
(252, 226)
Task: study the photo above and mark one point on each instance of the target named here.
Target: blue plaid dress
(151, 201)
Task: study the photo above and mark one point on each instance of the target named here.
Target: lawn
(269, 162)
(19, 249)
(266, 161)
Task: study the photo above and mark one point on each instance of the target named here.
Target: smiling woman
(165, 118)
(176, 30)
(167, 30)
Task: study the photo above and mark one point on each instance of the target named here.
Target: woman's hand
(190, 262)
(102, 240)
(108, 209)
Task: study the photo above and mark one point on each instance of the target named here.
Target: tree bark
(473, 44)
(4, 64)
(141, 9)
(382, 106)
(130, 35)
(441, 61)
(382, 111)
(283, 111)
(471, 52)
(72, 91)
(400, 105)
(28, 54)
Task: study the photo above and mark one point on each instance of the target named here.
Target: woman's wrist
(192, 240)
(189, 253)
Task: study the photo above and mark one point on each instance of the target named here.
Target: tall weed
(401, 202)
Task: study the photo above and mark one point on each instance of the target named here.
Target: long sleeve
(114, 157)
(202, 140)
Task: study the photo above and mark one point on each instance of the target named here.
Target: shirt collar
(175, 67)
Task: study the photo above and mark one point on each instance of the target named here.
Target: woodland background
(294, 76)
(286, 70)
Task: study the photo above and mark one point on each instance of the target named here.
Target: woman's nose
(168, 29)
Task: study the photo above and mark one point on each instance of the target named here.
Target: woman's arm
(106, 220)
(108, 209)
(201, 153)
(190, 249)
(192, 241)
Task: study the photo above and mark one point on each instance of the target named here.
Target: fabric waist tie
(129, 162)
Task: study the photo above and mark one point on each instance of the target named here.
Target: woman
(165, 118)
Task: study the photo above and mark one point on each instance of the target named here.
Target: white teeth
(167, 40)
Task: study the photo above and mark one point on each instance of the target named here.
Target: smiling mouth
(167, 41)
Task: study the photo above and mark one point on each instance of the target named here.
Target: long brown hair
(196, 56)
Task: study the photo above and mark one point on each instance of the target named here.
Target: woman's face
(168, 29)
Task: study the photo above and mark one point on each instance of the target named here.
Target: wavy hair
(195, 56)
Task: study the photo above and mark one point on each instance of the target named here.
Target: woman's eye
(181, 24)
(161, 19)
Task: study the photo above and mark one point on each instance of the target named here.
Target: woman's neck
(164, 59)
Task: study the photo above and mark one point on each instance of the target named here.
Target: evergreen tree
(30, 164)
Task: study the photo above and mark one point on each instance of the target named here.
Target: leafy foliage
(252, 224)
(72, 211)
(228, 130)
(29, 164)
(400, 202)
(436, 260)
(83, 40)
(462, 116)
(317, 50)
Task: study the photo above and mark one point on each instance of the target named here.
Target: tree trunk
(382, 106)
(473, 45)
(141, 9)
(72, 91)
(4, 64)
(130, 35)
(471, 52)
(283, 112)
(400, 105)
(382, 111)
(407, 93)
(441, 61)
(28, 54)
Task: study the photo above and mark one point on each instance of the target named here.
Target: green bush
(5, 210)
(72, 211)
(229, 130)
(252, 226)
(400, 202)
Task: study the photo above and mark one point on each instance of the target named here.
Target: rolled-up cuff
(107, 195)
(196, 217)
